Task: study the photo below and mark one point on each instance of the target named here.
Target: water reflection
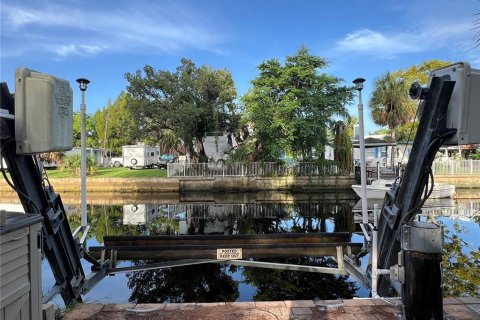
(207, 283)
(199, 283)
(259, 214)
(290, 285)
(461, 252)
(461, 259)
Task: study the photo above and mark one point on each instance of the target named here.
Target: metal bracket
(397, 273)
(391, 213)
(56, 219)
(422, 236)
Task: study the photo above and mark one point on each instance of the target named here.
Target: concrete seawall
(250, 184)
(211, 184)
(469, 184)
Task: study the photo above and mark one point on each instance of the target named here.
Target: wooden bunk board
(205, 246)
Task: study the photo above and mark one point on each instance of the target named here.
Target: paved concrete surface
(354, 309)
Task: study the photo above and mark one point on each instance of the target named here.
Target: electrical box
(43, 112)
(464, 107)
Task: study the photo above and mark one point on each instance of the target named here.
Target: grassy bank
(113, 173)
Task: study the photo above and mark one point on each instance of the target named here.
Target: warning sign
(229, 254)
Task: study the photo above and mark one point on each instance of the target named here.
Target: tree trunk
(394, 140)
(202, 156)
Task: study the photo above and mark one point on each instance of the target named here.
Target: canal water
(256, 213)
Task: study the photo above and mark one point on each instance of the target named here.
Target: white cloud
(372, 42)
(131, 26)
(389, 44)
(81, 50)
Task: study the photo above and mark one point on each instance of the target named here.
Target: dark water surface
(258, 213)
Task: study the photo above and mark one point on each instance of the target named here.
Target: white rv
(140, 156)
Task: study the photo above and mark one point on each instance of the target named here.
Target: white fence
(453, 167)
(265, 169)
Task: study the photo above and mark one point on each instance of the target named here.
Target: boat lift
(401, 249)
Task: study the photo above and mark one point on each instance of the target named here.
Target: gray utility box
(43, 112)
(20, 266)
(464, 107)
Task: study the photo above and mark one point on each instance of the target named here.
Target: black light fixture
(83, 83)
(359, 83)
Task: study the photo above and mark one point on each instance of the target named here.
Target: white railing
(453, 167)
(264, 169)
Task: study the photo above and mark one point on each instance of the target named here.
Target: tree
(115, 125)
(291, 106)
(188, 102)
(352, 121)
(91, 139)
(420, 72)
(390, 105)
(343, 147)
(407, 131)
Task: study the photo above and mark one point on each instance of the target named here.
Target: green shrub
(71, 163)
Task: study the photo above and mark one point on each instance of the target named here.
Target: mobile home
(140, 156)
(96, 153)
(216, 146)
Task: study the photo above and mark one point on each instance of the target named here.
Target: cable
(409, 133)
(43, 173)
(29, 200)
(429, 171)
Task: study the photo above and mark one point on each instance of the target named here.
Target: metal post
(83, 154)
(375, 252)
(363, 165)
(378, 170)
(83, 163)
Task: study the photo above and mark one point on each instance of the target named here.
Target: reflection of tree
(461, 265)
(199, 283)
(263, 219)
(344, 220)
(104, 220)
(292, 285)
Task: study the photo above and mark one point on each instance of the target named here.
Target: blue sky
(101, 40)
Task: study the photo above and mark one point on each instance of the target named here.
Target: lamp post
(83, 83)
(363, 166)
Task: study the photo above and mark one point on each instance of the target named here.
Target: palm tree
(390, 105)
